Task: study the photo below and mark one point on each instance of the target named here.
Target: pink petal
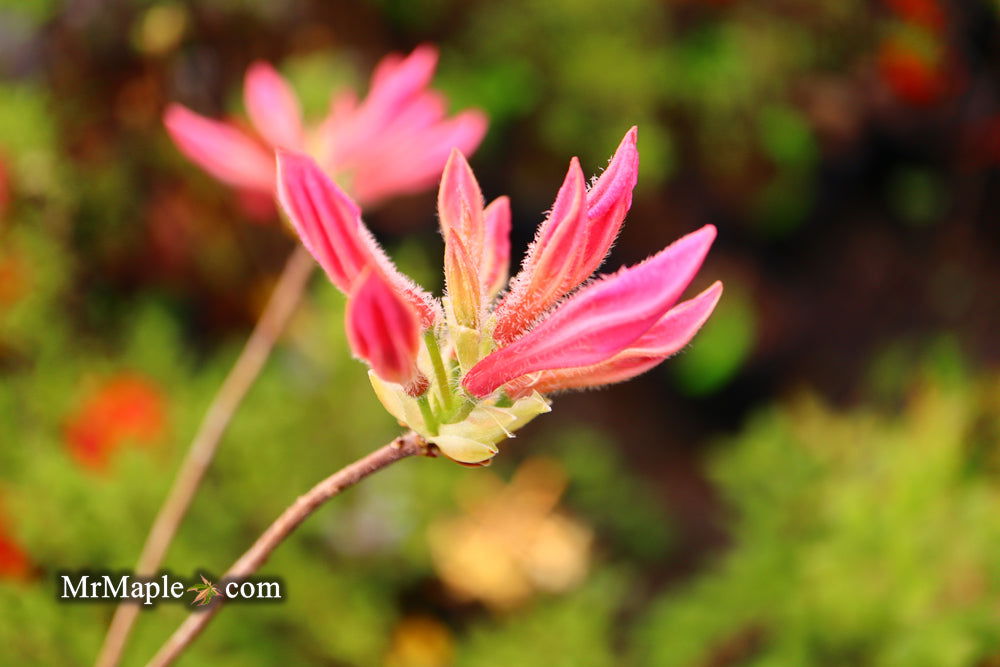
(461, 273)
(272, 106)
(665, 338)
(329, 224)
(568, 248)
(607, 203)
(356, 138)
(220, 149)
(460, 204)
(328, 135)
(599, 321)
(546, 273)
(411, 163)
(383, 329)
(397, 140)
(326, 219)
(422, 110)
(394, 80)
(496, 249)
(350, 131)
(676, 329)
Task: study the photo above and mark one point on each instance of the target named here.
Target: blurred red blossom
(127, 407)
(916, 78)
(14, 561)
(927, 14)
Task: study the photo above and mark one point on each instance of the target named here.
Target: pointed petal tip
(456, 158)
(420, 62)
(258, 67)
(172, 110)
(425, 50)
(628, 153)
(627, 148)
(693, 246)
(475, 119)
(710, 295)
(178, 119)
(709, 231)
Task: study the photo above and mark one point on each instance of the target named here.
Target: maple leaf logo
(207, 591)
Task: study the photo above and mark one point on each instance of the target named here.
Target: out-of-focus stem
(284, 299)
(410, 444)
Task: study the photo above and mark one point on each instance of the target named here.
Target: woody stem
(286, 296)
(410, 444)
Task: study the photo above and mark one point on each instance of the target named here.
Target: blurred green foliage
(858, 538)
(859, 535)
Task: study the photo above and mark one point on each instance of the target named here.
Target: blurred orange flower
(127, 407)
(512, 542)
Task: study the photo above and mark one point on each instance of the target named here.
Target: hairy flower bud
(383, 329)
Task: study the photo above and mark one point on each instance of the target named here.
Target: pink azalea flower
(395, 141)
(469, 370)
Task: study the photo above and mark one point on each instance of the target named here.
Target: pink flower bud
(496, 252)
(329, 224)
(460, 204)
(383, 329)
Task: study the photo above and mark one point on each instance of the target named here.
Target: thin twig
(280, 307)
(406, 445)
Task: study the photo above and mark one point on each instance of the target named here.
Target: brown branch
(280, 307)
(406, 445)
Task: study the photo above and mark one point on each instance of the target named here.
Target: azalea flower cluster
(394, 141)
(468, 370)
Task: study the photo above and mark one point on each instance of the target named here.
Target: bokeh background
(815, 481)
